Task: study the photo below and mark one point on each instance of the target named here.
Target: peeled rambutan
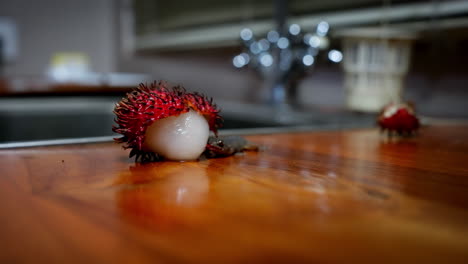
(400, 118)
(161, 122)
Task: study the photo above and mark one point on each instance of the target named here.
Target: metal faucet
(283, 57)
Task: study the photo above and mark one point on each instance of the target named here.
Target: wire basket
(375, 63)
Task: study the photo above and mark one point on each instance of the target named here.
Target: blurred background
(333, 64)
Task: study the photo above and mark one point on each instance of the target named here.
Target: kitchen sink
(34, 119)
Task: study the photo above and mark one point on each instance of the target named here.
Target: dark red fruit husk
(399, 118)
(147, 104)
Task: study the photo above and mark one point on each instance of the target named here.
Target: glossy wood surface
(324, 197)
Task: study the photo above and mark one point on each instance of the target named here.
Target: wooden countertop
(325, 197)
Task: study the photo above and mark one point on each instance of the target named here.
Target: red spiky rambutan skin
(147, 104)
(399, 118)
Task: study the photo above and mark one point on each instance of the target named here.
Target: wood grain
(325, 197)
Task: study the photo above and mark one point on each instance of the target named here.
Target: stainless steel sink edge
(224, 132)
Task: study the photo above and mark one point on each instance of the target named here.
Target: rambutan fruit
(158, 122)
(400, 118)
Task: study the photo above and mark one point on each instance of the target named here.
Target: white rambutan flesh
(182, 137)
